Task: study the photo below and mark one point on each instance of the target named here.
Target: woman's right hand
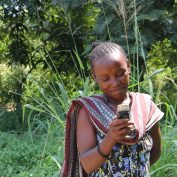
(119, 128)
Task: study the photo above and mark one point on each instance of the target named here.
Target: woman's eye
(121, 73)
(105, 79)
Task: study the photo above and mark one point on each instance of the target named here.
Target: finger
(131, 121)
(116, 130)
(118, 122)
(119, 125)
(131, 126)
(123, 132)
(122, 136)
(122, 126)
(114, 118)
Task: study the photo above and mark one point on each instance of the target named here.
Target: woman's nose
(115, 82)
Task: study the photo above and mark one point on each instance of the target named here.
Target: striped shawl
(143, 112)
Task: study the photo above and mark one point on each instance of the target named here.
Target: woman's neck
(116, 101)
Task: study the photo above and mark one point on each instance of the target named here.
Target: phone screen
(122, 114)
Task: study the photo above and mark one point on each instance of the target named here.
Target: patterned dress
(129, 157)
(126, 160)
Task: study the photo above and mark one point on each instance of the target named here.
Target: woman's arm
(157, 147)
(90, 158)
(87, 145)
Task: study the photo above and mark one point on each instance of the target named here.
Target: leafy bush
(10, 120)
(167, 164)
(163, 55)
(20, 157)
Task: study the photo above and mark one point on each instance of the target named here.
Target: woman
(96, 143)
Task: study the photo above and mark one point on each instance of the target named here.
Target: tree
(45, 34)
(136, 25)
(163, 55)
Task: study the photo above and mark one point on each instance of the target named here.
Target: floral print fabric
(127, 160)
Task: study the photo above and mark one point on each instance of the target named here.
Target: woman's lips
(119, 90)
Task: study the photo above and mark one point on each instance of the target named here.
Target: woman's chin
(117, 98)
(119, 94)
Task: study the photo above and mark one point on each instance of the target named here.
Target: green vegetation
(22, 157)
(44, 65)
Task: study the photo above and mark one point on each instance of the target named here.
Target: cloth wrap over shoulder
(143, 112)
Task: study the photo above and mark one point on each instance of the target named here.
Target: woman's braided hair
(101, 49)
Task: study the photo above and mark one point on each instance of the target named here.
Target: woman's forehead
(112, 58)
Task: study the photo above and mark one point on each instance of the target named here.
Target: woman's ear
(93, 75)
(128, 66)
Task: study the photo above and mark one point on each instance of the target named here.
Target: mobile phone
(123, 111)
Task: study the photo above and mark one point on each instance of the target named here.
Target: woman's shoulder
(141, 95)
(88, 103)
(96, 97)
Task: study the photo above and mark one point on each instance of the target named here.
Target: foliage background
(44, 65)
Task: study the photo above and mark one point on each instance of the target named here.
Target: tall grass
(54, 104)
(51, 101)
(50, 106)
(167, 165)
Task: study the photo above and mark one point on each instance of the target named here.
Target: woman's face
(112, 75)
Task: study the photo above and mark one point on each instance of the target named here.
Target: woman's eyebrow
(121, 69)
(105, 75)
